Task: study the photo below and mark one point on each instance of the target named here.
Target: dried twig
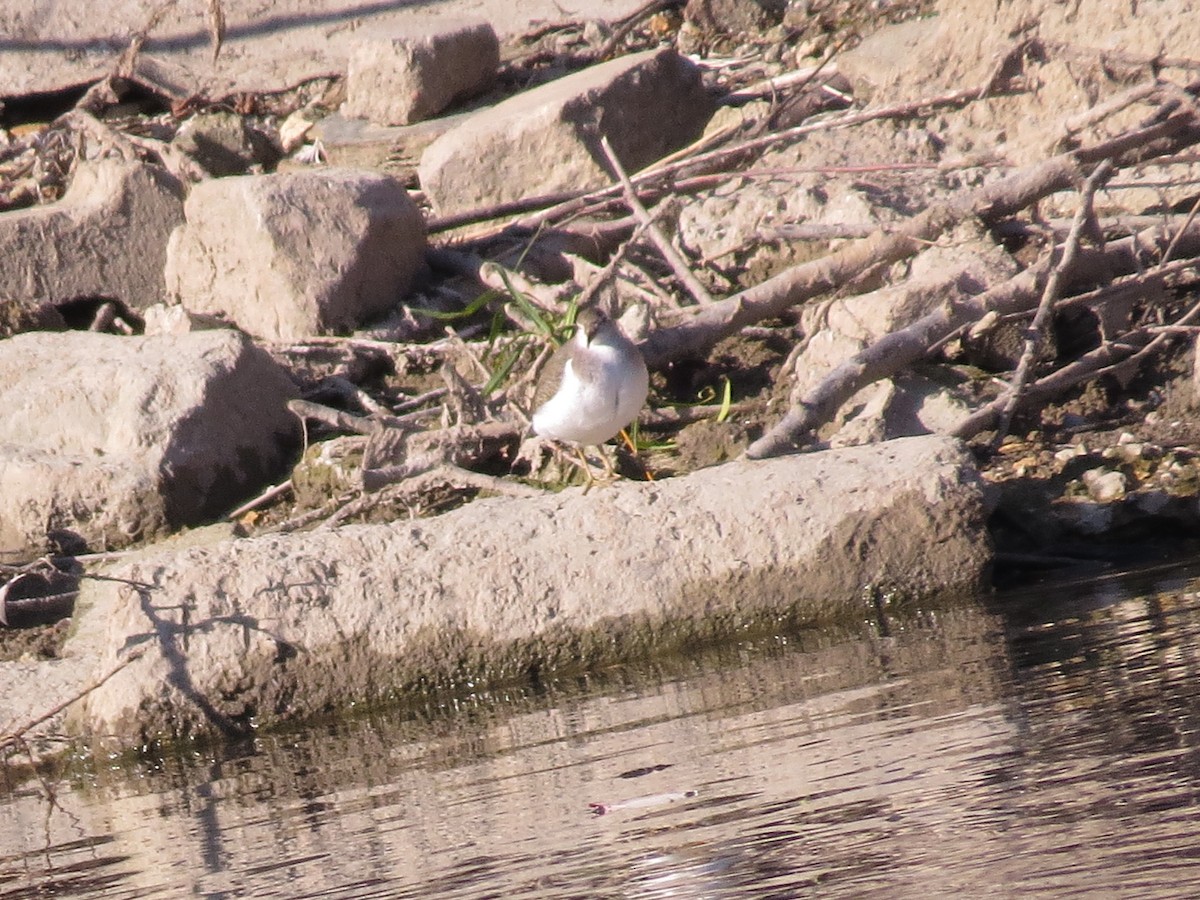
(900, 349)
(772, 87)
(216, 26)
(1126, 351)
(1187, 223)
(1084, 217)
(601, 278)
(674, 259)
(1077, 122)
(14, 735)
(334, 418)
(270, 495)
(347, 391)
(420, 400)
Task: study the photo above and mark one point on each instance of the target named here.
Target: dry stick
(499, 211)
(693, 184)
(1124, 351)
(565, 205)
(1050, 293)
(274, 492)
(1093, 55)
(588, 294)
(677, 263)
(1191, 217)
(13, 736)
(1073, 124)
(900, 349)
(420, 400)
(686, 159)
(557, 207)
(1004, 197)
(1057, 229)
(334, 418)
(329, 508)
(770, 87)
(346, 390)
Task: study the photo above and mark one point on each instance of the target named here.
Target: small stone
(1066, 454)
(1128, 453)
(1104, 487)
(396, 78)
(223, 144)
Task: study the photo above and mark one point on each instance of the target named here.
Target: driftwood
(1062, 270)
(990, 203)
(896, 351)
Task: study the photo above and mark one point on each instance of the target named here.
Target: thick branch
(990, 203)
(900, 349)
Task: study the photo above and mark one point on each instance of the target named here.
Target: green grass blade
(465, 313)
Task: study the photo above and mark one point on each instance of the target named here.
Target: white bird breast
(593, 412)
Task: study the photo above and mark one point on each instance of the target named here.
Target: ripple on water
(1036, 745)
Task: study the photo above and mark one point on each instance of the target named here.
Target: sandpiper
(593, 386)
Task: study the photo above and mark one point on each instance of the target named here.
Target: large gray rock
(404, 76)
(259, 631)
(291, 255)
(106, 237)
(110, 439)
(546, 140)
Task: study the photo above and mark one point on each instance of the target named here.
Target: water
(1036, 745)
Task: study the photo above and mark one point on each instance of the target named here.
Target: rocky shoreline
(321, 324)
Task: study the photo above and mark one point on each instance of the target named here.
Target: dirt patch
(41, 642)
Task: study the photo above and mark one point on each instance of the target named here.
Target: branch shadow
(172, 639)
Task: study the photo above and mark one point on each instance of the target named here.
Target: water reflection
(1038, 745)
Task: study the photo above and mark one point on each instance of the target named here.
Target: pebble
(1104, 487)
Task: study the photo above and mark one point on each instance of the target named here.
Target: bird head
(590, 324)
